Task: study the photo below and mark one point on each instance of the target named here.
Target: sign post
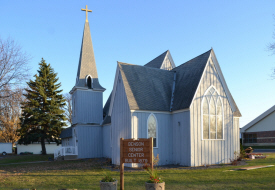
(135, 151)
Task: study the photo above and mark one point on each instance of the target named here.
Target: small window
(250, 138)
(89, 82)
(152, 128)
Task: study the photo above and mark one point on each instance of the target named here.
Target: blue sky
(138, 31)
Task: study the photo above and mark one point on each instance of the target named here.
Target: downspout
(173, 91)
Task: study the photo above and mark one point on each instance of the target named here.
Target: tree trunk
(43, 146)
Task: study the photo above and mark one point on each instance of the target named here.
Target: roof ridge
(144, 66)
(157, 57)
(124, 63)
(192, 59)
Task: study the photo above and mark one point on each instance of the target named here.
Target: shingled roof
(147, 88)
(87, 64)
(187, 80)
(66, 133)
(157, 62)
(151, 88)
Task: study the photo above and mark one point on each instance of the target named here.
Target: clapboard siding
(207, 152)
(266, 124)
(89, 140)
(181, 138)
(164, 131)
(121, 120)
(106, 136)
(87, 107)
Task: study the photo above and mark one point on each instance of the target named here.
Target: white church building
(187, 109)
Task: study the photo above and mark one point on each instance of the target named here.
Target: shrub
(108, 177)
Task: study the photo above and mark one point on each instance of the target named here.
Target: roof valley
(173, 90)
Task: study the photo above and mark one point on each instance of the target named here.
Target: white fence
(64, 151)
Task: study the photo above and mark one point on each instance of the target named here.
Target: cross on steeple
(86, 12)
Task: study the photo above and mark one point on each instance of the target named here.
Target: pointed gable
(163, 61)
(188, 76)
(87, 64)
(157, 62)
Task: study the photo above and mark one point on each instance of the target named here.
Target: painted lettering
(140, 155)
(136, 149)
(135, 143)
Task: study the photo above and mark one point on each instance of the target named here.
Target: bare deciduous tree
(68, 107)
(10, 114)
(14, 68)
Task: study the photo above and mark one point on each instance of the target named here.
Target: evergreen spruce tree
(42, 114)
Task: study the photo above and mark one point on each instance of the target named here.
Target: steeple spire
(87, 73)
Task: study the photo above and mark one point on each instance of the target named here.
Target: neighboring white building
(261, 130)
(5, 148)
(35, 148)
(188, 110)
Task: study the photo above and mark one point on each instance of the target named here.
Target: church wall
(207, 152)
(181, 138)
(88, 107)
(121, 121)
(89, 141)
(67, 142)
(166, 65)
(236, 135)
(106, 137)
(164, 131)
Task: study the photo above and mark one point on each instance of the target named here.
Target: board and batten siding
(89, 141)
(164, 133)
(87, 107)
(181, 138)
(121, 120)
(208, 152)
(237, 136)
(106, 137)
(67, 142)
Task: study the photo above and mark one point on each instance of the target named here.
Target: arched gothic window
(152, 129)
(89, 82)
(212, 115)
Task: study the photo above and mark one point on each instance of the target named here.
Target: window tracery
(212, 115)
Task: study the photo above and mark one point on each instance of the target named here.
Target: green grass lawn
(25, 158)
(86, 174)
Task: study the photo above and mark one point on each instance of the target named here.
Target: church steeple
(87, 94)
(87, 73)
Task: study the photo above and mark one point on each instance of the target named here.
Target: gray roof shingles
(188, 78)
(87, 64)
(66, 133)
(147, 88)
(150, 88)
(157, 62)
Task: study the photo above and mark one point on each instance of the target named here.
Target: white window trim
(204, 98)
(92, 81)
(157, 135)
